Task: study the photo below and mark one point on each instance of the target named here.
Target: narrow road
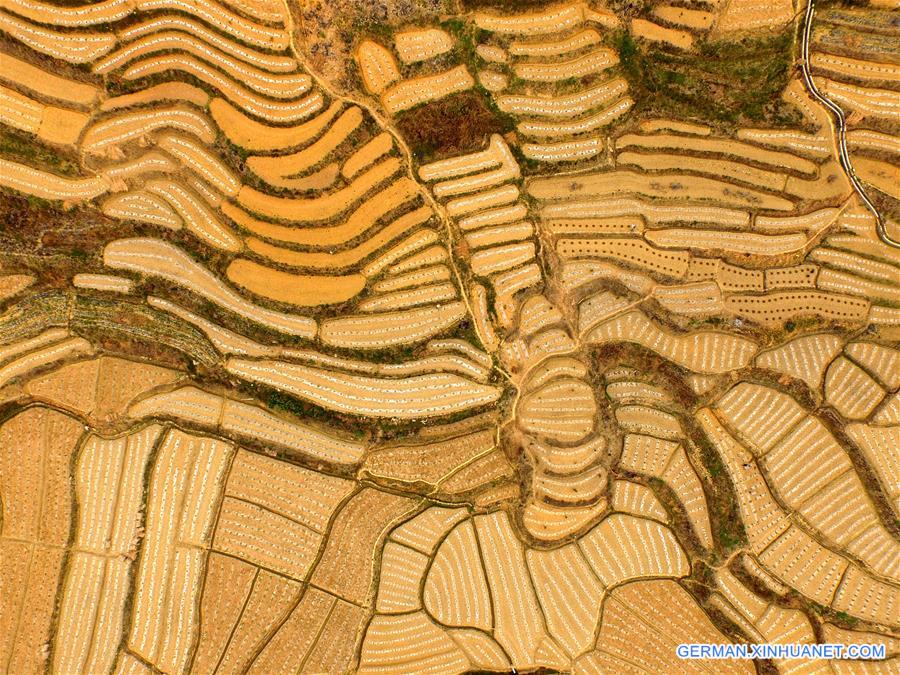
(838, 114)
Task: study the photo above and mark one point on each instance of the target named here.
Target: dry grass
(454, 125)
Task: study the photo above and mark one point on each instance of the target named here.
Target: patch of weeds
(456, 124)
(24, 147)
(728, 541)
(725, 82)
(846, 618)
(527, 164)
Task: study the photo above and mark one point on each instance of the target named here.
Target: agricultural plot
(748, 15)
(849, 69)
(556, 410)
(261, 102)
(474, 358)
(108, 477)
(178, 535)
(37, 448)
(547, 70)
(733, 214)
(624, 642)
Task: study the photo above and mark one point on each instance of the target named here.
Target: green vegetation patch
(456, 124)
(862, 42)
(23, 147)
(725, 82)
(117, 322)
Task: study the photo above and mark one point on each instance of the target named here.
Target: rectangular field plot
(177, 537)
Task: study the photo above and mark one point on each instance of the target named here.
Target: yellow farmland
(447, 337)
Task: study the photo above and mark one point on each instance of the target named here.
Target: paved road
(841, 125)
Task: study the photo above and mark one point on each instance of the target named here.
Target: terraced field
(851, 69)
(558, 384)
